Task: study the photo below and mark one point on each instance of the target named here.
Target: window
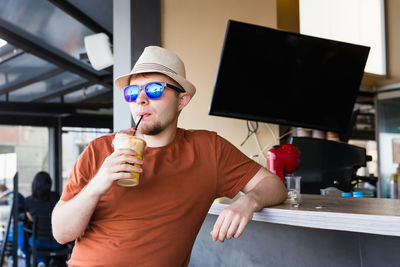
(352, 21)
(24, 149)
(74, 141)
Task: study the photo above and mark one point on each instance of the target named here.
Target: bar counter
(320, 231)
(364, 215)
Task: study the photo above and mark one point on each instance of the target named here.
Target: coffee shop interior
(58, 60)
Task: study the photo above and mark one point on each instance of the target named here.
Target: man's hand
(263, 190)
(114, 168)
(233, 219)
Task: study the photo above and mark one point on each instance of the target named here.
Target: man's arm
(70, 218)
(264, 189)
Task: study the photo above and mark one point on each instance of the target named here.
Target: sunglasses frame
(143, 87)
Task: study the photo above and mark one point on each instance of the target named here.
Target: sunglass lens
(131, 93)
(154, 90)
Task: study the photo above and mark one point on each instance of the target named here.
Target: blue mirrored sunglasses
(152, 90)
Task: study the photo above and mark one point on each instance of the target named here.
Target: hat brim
(123, 81)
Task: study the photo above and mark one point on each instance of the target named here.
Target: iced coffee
(122, 140)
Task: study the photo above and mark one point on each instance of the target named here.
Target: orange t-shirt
(156, 222)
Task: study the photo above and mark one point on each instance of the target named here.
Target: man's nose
(142, 98)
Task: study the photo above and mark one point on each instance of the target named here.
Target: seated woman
(41, 203)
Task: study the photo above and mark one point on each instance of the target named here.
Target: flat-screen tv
(287, 78)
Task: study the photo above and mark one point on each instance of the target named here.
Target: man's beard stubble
(151, 129)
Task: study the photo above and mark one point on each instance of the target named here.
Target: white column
(136, 25)
(122, 28)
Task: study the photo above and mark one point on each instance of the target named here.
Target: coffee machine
(326, 163)
(283, 159)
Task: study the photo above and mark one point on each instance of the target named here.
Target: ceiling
(44, 71)
(45, 78)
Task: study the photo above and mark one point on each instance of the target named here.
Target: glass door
(388, 137)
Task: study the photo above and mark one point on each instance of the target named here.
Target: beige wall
(288, 15)
(195, 31)
(393, 39)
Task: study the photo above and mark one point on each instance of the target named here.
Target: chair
(42, 232)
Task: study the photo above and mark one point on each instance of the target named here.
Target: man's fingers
(233, 227)
(224, 229)
(126, 168)
(127, 158)
(123, 151)
(229, 215)
(122, 175)
(240, 229)
(230, 223)
(214, 233)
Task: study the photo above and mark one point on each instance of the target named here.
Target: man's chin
(155, 130)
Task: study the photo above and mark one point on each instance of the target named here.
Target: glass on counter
(293, 186)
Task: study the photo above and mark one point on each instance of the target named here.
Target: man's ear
(184, 99)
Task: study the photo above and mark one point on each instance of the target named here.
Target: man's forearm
(267, 192)
(70, 218)
(262, 194)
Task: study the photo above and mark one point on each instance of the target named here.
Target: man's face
(158, 114)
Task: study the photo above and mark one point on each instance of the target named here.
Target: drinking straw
(137, 125)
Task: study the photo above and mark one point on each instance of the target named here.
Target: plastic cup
(122, 140)
(293, 186)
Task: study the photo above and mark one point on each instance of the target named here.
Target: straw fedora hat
(160, 60)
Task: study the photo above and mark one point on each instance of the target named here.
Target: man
(156, 222)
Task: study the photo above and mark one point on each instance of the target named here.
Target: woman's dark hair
(41, 186)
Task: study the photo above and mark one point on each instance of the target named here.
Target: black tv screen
(287, 78)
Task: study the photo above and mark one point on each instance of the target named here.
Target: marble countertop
(364, 215)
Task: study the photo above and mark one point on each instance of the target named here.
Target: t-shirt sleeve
(234, 169)
(84, 169)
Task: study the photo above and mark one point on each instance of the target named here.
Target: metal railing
(13, 217)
